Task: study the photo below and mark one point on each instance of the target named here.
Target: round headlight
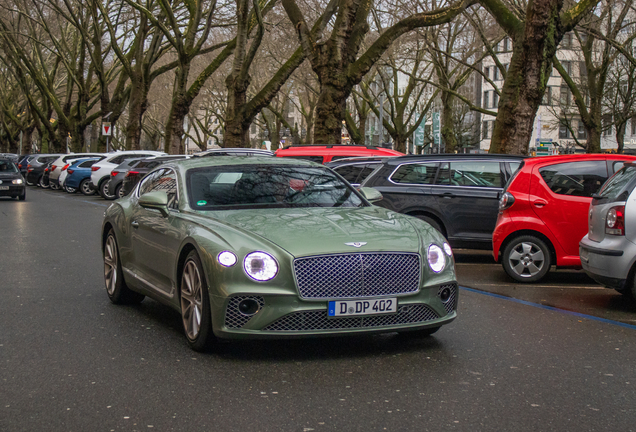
(260, 266)
(448, 249)
(436, 259)
(226, 259)
(17, 181)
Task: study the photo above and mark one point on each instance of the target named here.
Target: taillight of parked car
(70, 171)
(114, 173)
(132, 173)
(615, 221)
(53, 167)
(46, 169)
(506, 201)
(65, 167)
(94, 168)
(19, 166)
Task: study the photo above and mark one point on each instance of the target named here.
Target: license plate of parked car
(4, 187)
(339, 308)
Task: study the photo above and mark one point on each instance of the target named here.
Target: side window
(514, 166)
(471, 173)
(575, 178)
(415, 173)
(148, 182)
(117, 160)
(617, 165)
(87, 164)
(162, 180)
(368, 169)
(349, 172)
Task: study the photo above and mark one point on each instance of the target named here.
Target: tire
(116, 288)
(54, 186)
(119, 191)
(22, 197)
(41, 183)
(420, 333)
(70, 190)
(195, 305)
(103, 190)
(526, 258)
(85, 188)
(28, 183)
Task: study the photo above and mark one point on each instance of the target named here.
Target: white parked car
(100, 174)
(63, 161)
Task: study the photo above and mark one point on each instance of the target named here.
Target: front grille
(357, 275)
(234, 319)
(451, 304)
(319, 320)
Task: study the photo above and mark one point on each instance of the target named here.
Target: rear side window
(350, 172)
(620, 186)
(415, 173)
(471, 173)
(575, 178)
(86, 164)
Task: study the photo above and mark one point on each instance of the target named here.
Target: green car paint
(153, 242)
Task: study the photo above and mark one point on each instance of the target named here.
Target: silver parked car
(608, 251)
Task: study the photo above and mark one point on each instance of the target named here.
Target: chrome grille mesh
(357, 275)
(234, 319)
(451, 304)
(319, 320)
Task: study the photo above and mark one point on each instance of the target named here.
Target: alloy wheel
(110, 264)
(86, 189)
(526, 259)
(191, 299)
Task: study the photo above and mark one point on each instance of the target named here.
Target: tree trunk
(620, 136)
(594, 140)
(447, 132)
(331, 108)
(178, 111)
(137, 106)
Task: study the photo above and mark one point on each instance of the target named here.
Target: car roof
(453, 156)
(321, 149)
(199, 162)
(575, 157)
(224, 151)
(357, 159)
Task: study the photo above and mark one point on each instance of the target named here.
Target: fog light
(248, 307)
(445, 294)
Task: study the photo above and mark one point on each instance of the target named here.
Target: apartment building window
(565, 95)
(607, 125)
(547, 97)
(567, 65)
(582, 69)
(567, 41)
(506, 44)
(486, 128)
(581, 133)
(564, 132)
(486, 105)
(487, 72)
(495, 99)
(633, 122)
(495, 73)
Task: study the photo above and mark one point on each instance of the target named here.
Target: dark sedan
(11, 181)
(458, 194)
(140, 169)
(36, 166)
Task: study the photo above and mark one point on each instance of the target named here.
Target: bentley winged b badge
(356, 244)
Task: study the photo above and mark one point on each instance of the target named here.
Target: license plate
(339, 308)
(4, 187)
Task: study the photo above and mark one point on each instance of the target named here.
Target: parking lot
(551, 356)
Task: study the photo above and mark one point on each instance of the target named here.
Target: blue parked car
(79, 175)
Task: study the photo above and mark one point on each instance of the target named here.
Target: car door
(155, 238)
(408, 189)
(560, 195)
(467, 193)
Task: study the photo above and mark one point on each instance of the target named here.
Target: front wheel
(116, 288)
(70, 190)
(119, 191)
(195, 305)
(526, 259)
(103, 191)
(22, 197)
(42, 184)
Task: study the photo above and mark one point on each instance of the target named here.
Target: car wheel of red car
(526, 258)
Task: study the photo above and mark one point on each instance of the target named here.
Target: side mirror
(157, 200)
(372, 195)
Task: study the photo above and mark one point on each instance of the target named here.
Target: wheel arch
(539, 235)
(431, 215)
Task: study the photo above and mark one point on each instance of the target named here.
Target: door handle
(446, 195)
(135, 224)
(539, 203)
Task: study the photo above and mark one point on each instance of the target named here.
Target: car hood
(9, 176)
(314, 231)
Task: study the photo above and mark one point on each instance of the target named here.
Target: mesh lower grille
(451, 304)
(357, 275)
(233, 317)
(319, 320)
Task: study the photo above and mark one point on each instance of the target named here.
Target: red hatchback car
(543, 212)
(327, 153)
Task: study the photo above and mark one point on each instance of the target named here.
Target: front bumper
(609, 261)
(13, 191)
(284, 316)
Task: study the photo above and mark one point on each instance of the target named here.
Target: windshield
(216, 187)
(7, 167)
(620, 184)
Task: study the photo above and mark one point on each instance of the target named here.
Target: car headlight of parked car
(17, 181)
(260, 266)
(436, 258)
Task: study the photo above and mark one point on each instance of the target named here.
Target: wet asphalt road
(557, 356)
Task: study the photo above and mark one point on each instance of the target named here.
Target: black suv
(458, 194)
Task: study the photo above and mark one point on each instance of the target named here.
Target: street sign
(436, 129)
(418, 136)
(106, 129)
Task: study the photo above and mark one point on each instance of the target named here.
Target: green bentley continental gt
(246, 247)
